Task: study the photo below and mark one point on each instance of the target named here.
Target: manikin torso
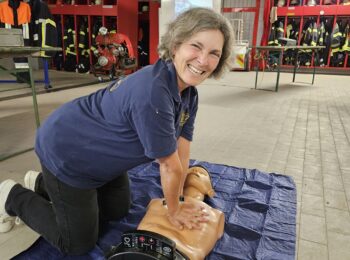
(194, 243)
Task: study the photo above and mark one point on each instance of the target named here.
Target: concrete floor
(302, 131)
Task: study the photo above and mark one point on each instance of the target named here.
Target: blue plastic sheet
(260, 214)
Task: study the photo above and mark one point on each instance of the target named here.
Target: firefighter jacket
(321, 34)
(327, 41)
(337, 42)
(83, 44)
(69, 38)
(336, 38)
(70, 61)
(43, 27)
(272, 35)
(292, 30)
(17, 14)
(346, 45)
(314, 34)
(83, 47)
(309, 38)
(276, 32)
(94, 33)
(307, 34)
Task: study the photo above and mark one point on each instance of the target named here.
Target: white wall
(167, 11)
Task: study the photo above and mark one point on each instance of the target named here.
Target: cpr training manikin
(194, 243)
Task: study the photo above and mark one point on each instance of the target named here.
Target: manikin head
(198, 183)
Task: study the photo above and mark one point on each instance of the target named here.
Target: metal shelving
(334, 13)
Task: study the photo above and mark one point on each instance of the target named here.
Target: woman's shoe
(6, 221)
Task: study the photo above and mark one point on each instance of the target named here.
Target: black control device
(145, 245)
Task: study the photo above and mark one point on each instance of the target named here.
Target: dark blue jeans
(68, 217)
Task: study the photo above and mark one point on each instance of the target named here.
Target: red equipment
(114, 53)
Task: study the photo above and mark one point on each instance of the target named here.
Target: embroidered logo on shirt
(184, 117)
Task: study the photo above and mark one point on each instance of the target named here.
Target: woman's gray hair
(191, 22)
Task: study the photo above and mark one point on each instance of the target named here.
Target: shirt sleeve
(188, 128)
(154, 122)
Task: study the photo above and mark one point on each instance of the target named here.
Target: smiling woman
(197, 58)
(149, 115)
(192, 22)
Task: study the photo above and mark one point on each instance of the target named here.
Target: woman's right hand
(189, 215)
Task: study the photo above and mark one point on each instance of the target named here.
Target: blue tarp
(260, 214)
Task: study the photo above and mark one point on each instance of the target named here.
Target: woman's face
(196, 58)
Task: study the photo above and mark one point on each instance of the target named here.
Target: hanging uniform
(83, 48)
(70, 62)
(276, 32)
(328, 39)
(341, 54)
(339, 57)
(307, 33)
(43, 27)
(272, 36)
(292, 32)
(280, 31)
(336, 39)
(308, 39)
(346, 45)
(94, 32)
(17, 14)
(58, 58)
(314, 35)
(321, 42)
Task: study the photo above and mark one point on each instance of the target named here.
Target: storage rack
(334, 12)
(123, 15)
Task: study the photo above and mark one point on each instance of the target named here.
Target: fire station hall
(250, 99)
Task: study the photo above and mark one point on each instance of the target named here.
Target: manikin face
(199, 178)
(196, 58)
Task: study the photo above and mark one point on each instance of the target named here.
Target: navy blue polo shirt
(91, 140)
